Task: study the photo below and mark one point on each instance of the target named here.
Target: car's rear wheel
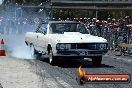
(35, 53)
(97, 60)
(32, 50)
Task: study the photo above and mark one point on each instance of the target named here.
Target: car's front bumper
(80, 52)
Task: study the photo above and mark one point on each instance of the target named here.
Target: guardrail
(93, 1)
(92, 7)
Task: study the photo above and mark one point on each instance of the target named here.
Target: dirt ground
(16, 73)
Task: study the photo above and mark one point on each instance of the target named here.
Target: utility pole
(51, 10)
(44, 10)
(96, 14)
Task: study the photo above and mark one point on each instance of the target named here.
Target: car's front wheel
(97, 60)
(51, 59)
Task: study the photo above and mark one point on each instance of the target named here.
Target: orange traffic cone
(2, 51)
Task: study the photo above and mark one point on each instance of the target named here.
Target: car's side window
(38, 29)
(42, 29)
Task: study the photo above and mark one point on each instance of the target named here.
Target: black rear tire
(97, 60)
(38, 56)
(35, 53)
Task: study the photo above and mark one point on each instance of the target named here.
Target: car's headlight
(63, 46)
(102, 46)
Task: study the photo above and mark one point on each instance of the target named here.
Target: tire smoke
(16, 47)
(15, 21)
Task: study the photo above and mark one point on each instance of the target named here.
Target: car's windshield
(60, 28)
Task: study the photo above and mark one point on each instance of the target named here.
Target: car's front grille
(90, 46)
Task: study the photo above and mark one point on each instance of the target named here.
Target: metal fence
(114, 38)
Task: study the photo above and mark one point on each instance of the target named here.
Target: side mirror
(44, 32)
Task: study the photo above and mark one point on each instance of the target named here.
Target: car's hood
(76, 37)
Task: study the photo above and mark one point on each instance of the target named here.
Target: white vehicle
(66, 39)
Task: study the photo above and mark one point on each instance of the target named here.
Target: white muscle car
(66, 39)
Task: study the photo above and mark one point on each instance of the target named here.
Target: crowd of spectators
(114, 30)
(15, 26)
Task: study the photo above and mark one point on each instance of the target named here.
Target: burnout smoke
(21, 52)
(16, 47)
(14, 23)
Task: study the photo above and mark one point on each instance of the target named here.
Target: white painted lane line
(130, 60)
(65, 84)
(118, 58)
(125, 59)
(121, 58)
